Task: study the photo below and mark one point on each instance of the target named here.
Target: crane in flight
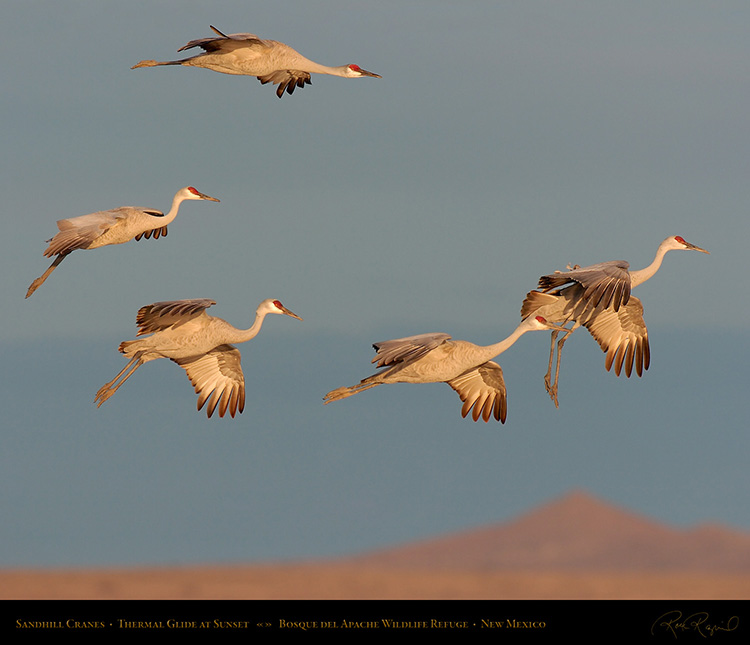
(200, 344)
(115, 226)
(247, 55)
(436, 358)
(598, 298)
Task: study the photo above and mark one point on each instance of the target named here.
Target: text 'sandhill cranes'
(115, 226)
(268, 60)
(201, 344)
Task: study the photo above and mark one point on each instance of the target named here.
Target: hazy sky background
(505, 140)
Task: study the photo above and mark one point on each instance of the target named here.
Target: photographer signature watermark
(699, 622)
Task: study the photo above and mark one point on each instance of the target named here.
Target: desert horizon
(575, 547)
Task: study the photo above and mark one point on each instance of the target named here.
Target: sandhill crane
(115, 226)
(200, 344)
(435, 358)
(248, 55)
(599, 299)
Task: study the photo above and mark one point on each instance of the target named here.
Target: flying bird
(435, 358)
(598, 298)
(200, 344)
(115, 226)
(247, 55)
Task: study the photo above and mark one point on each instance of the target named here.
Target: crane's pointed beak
(210, 199)
(364, 72)
(692, 247)
(286, 311)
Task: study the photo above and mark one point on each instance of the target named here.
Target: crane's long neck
(241, 335)
(333, 71)
(308, 65)
(489, 352)
(641, 275)
(168, 217)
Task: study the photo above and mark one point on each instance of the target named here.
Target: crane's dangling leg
(108, 389)
(548, 375)
(552, 389)
(40, 280)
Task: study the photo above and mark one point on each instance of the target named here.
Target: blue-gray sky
(505, 140)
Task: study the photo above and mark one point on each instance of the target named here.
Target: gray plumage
(114, 226)
(201, 344)
(599, 298)
(437, 358)
(268, 60)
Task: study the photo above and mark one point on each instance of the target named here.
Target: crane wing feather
(225, 42)
(161, 231)
(218, 379)
(410, 348)
(606, 283)
(169, 313)
(80, 232)
(623, 336)
(483, 392)
(71, 239)
(287, 80)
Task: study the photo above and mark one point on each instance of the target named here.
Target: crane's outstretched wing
(218, 379)
(401, 350)
(287, 80)
(78, 232)
(483, 389)
(169, 313)
(159, 231)
(224, 42)
(607, 283)
(623, 336)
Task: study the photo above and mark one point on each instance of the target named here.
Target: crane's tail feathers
(534, 300)
(124, 345)
(349, 390)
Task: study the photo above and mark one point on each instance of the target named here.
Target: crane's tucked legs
(40, 280)
(153, 63)
(108, 389)
(349, 390)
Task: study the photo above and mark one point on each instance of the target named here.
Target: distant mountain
(577, 532)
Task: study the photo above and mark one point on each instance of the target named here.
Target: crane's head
(194, 193)
(273, 306)
(355, 71)
(540, 323)
(679, 244)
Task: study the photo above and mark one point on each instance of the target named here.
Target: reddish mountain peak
(578, 531)
(581, 512)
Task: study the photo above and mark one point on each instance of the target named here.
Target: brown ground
(577, 547)
(336, 582)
